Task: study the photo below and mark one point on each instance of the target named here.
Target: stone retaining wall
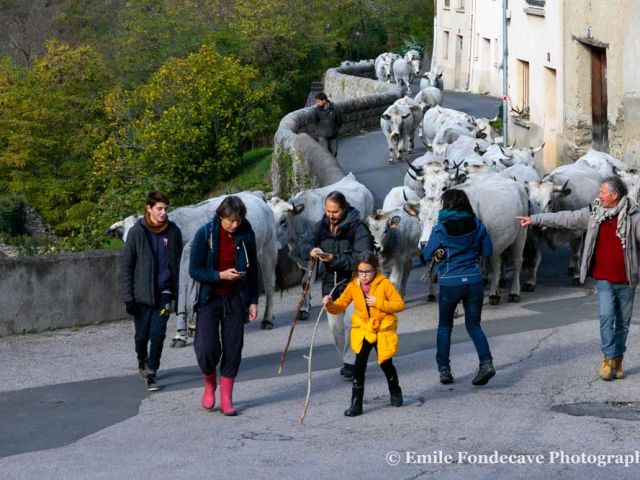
(42, 292)
(361, 101)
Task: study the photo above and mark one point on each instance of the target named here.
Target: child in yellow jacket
(373, 324)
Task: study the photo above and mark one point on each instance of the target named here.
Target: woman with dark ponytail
(460, 239)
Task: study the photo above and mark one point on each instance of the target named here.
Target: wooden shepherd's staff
(309, 357)
(305, 289)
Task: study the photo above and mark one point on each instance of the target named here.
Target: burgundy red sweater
(226, 260)
(608, 256)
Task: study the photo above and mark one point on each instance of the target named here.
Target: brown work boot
(606, 368)
(617, 367)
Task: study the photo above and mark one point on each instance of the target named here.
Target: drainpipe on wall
(506, 15)
(472, 42)
(434, 45)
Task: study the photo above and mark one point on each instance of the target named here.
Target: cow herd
(501, 183)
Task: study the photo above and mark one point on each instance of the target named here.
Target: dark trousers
(220, 334)
(361, 364)
(151, 327)
(471, 296)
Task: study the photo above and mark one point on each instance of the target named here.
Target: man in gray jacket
(150, 268)
(610, 256)
(328, 123)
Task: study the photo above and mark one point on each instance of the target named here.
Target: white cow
(439, 118)
(403, 73)
(398, 125)
(428, 97)
(190, 218)
(450, 133)
(384, 66)
(507, 157)
(295, 217)
(410, 179)
(431, 79)
(397, 197)
(396, 234)
(434, 178)
(414, 58)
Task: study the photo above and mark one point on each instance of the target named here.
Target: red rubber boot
(209, 395)
(226, 394)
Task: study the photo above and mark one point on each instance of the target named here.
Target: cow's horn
(417, 178)
(415, 169)
(505, 152)
(536, 150)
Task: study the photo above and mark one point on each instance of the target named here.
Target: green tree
(182, 132)
(51, 122)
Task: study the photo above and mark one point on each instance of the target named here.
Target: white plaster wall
(457, 22)
(538, 41)
(486, 75)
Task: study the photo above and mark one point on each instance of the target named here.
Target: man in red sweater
(610, 256)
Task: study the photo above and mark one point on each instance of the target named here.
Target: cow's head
(121, 229)
(380, 226)
(429, 207)
(282, 213)
(542, 194)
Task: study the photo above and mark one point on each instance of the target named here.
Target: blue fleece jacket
(203, 264)
(462, 253)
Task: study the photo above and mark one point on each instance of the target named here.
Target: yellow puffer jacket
(380, 324)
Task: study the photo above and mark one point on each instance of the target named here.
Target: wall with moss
(299, 162)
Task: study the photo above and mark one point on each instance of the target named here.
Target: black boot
(485, 373)
(395, 391)
(357, 392)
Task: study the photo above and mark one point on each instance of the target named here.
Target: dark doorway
(599, 99)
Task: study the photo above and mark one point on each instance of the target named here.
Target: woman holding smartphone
(224, 262)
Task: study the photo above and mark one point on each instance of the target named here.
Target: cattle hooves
(577, 282)
(431, 298)
(266, 325)
(514, 298)
(527, 287)
(494, 299)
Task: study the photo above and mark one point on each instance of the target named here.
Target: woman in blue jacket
(456, 244)
(223, 260)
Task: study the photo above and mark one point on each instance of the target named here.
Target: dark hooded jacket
(139, 263)
(352, 238)
(464, 240)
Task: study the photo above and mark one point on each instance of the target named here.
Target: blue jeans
(472, 296)
(616, 306)
(151, 328)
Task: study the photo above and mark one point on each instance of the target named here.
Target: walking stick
(305, 290)
(313, 337)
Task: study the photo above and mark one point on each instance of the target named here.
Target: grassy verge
(254, 174)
